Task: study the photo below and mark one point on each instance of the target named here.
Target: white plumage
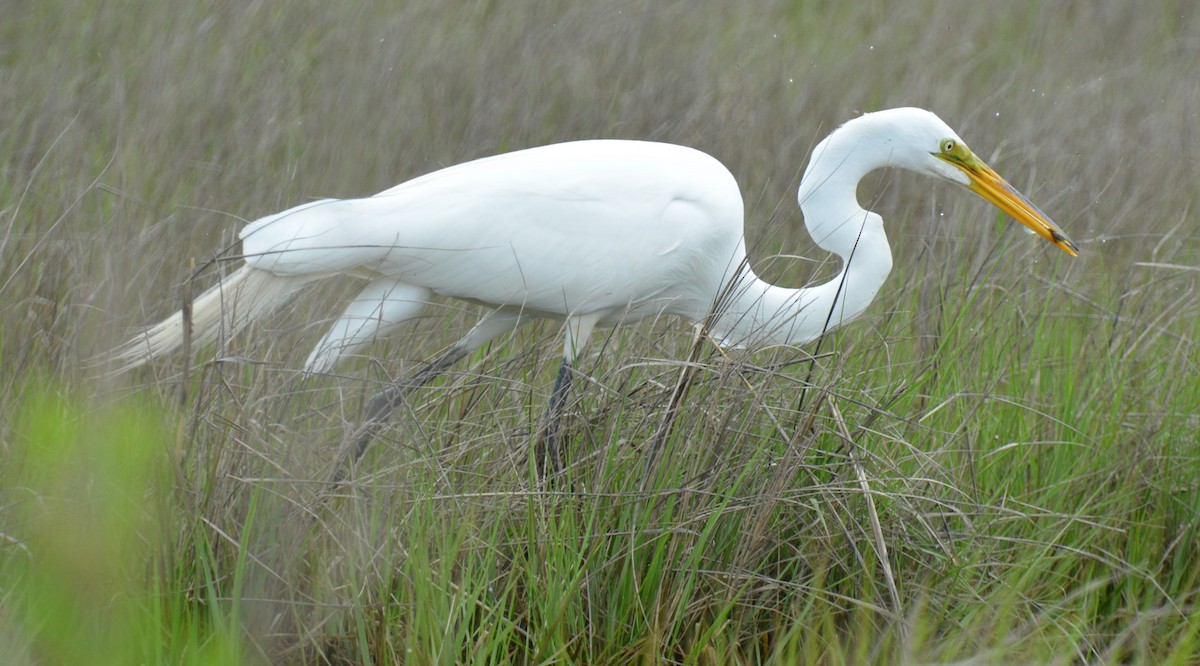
(592, 232)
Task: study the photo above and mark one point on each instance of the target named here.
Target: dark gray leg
(549, 450)
(379, 409)
(380, 406)
(576, 331)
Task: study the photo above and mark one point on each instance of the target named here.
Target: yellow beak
(988, 184)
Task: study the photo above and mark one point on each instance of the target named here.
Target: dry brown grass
(135, 138)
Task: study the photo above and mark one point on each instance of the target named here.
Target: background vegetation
(997, 464)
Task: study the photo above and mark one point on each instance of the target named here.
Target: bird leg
(380, 407)
(549, 449)
(576, 331)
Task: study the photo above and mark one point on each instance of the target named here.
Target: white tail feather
(220, 312)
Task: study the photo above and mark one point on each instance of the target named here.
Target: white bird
(594, 233)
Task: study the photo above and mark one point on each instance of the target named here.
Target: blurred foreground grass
(89, 528)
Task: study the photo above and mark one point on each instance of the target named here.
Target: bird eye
(948, 146)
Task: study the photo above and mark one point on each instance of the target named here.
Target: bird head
(929, 146)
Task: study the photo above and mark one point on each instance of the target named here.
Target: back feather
(223, 310)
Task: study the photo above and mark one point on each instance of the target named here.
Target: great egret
(595, 233)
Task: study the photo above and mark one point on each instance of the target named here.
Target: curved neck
(756, 313)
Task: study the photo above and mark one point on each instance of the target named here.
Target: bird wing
(571, 227)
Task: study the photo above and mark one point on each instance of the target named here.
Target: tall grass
(997, 464)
